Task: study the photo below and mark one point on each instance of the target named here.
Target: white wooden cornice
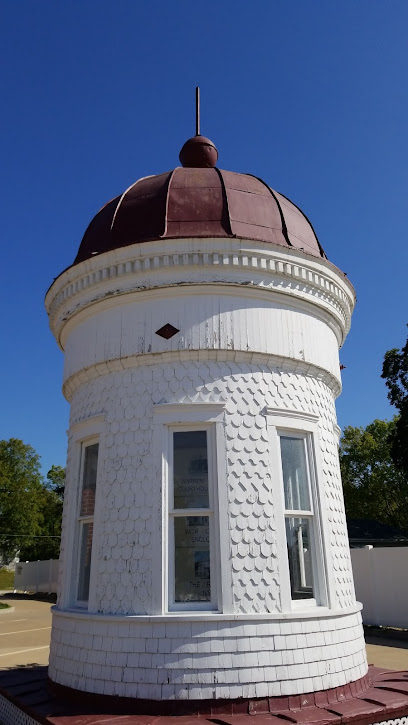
(215, 261)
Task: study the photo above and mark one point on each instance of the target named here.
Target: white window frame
(83, 519)
(174, 417)
(207, 512)
(298, 424)
(81, 433)
(309, 513)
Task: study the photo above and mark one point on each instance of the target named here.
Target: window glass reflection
(300, 559)
(190, 462)
(295, 479)
(85, 561)
(192, 559)
(89, 480)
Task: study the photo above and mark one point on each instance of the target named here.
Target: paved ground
(384, 652)
(24, 633)
(25, 636)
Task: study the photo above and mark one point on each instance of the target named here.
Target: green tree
(21, 495)
(56, 480)
(47, 545)
(374, 488)
(30, 508)
(395, 373)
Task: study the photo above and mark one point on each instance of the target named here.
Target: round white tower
(204, 550)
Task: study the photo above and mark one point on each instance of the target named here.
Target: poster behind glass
(89, 480)
(300, 557)
(192, 559)
(190, 466)
(85, 561)
(191, 533)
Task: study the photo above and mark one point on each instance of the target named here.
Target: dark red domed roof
(198, 202)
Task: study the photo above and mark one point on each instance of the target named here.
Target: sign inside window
(190, 467)
(300, 560)
(192, 559)
(191, 533)
(85, 561)
(89, 480)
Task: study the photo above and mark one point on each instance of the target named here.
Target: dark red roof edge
(322, 252)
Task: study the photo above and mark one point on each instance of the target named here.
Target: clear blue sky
(310, 96)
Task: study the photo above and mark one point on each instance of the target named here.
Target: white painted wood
(205, 320)
(234, 653)
(259, 333)
(329, 291)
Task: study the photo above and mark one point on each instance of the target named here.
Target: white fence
(36, 576)
(380, 578)
(381, 581)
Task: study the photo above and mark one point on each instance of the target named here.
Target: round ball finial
(198, 152)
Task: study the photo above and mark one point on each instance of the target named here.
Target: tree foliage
(47, 545)
(56, 480)
(374, 488)
(30, 508)
(395, 373)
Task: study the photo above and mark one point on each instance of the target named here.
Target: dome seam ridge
(322, 252)
(284, 227)
(225, 200)
(142, 178)
(166, 212)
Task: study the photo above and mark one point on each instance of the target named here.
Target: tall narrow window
(86, 514)
(299, 517)
(191, 521)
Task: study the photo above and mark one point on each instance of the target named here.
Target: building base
(27, 696)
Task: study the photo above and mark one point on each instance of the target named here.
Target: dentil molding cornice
(142, 267)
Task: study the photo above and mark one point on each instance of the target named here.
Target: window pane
(85, 561)
(190, 469)
(192, 559)
(295, 481)
(89, 480)
(300, 559)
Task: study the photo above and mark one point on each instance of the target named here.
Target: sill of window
(304, 604)
(200, 615)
